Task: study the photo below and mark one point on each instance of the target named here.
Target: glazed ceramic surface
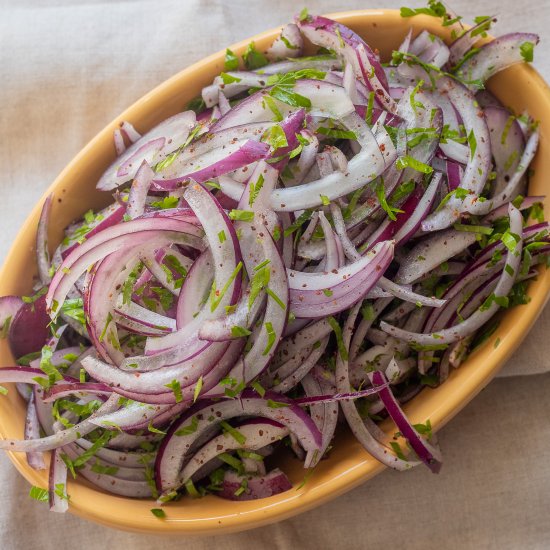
(348, 465)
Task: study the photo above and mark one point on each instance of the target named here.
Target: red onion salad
(319, 234)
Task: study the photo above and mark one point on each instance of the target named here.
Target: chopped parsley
(198, 388)
(255, 188)
(239, 332)
(271, 337)
(526, 50)
(229, 78)
(175, 386)
(253, 59)
(241, 215)
(166, 203)
(233, 432)
(217, 296)
(189, 429)
(37, 493)
(342, 350)
(407, 161)
(231, 62)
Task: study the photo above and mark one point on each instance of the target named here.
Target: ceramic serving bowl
(348, 465)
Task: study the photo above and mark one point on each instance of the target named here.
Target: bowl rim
(276, 509)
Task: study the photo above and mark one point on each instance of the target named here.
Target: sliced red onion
(495, 56)
(480, 317)
(266, 337)
(32, 431)
(219, 162)
(112, 215)
(287, 45)
(364, 429)
(290, 379)
(118, 139)
(431, 252)
(112, 239)
(111, 483)
(413, 219)
(507, 144)
(351, 47)
(29, 327)
(62, 389)
(153, 147)
(172, 453)
(511, 188)
(255, 435)
(430, 455)
(407, 295)
(325, 415)
(57, 484)
(60, 438)
(226, 257)
(466, 41)
(257, 487)
(128, 459)
(9, 306)
(479, 164)
(129, 131)
(42, 253)
(138, 191)
(140, 320)
(321, 294)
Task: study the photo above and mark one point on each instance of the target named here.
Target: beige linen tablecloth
(69, 67)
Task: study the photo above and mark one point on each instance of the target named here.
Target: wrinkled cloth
(67, 68)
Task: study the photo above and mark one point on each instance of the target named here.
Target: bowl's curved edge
(276, 509)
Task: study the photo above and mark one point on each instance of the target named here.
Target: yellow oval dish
(348, 465)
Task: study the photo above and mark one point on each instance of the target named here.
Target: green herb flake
(235, 463)
(277, 404)
(229, 79)
(480, 229)
(510, 240)
(231, 62)
(158, 513)
(269, 101)
(166, 203)
(233, 432)
(37, 493)
(336, 133)
(325, 200)
(271, 337)
(342, 350)
(253, 59)
(258, 388)
(217, 296)
(276, 138)
(526, 49)
(407, 161)
(189, 429)
(242, 488)
(198, 388)
(300, 220)
(472, 142)
(381, 196)
(175, 386)
(239, 332)
(191, 489)
(397, 450)
(241, 215)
